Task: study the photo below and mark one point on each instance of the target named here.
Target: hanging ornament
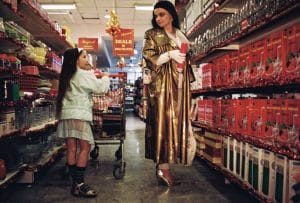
(121, 63)
(113, 25)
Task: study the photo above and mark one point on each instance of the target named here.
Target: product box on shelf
(216, 72)
(225, 155)
(3, 128)
(278, 107)
(213, 147)
(257, 168)
(292, 68)
(290, 123)
(223, 69)
(249, 164)
(258, 55)
(225, 115)
(238, 158)
(246, 155)
(242, 116)
(293, 177)
(275, 58)
(197, 84)
(207, 75)
(213, 113)
(281, 179)
(232, 157)
(233, 72)
(257, 118)
(201, 110)
(268, 174)
(199, 136)
(245, 61)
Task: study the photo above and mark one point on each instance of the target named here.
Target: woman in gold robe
(168, 125)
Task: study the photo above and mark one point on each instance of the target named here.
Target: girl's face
(163, 17)
(82, 60)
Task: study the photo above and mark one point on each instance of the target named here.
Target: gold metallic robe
(167, 124)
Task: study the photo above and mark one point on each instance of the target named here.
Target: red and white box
(233, 72)
(275, 57)
(292, 68)
(258, 57)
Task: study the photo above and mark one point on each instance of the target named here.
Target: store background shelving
(27, 135)
(210, 45)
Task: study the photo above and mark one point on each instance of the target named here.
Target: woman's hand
(177, 56)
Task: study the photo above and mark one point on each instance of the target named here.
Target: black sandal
(83, 190)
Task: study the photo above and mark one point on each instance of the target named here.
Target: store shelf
(233, 179)
(265, 90)
(251, 140)
(12, 176)
(46, 160)
(281, 20)
(214, 17)
(40, 127)
(10, 45)
(39, 27)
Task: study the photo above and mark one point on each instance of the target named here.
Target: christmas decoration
(113, 25)
(121, 63)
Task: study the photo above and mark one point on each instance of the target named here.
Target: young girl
(74, 112)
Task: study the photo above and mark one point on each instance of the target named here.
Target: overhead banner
(89, 44)
(123, 43)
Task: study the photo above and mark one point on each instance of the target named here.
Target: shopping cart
(109, 129)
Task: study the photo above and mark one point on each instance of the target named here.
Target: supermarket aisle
(199, 183)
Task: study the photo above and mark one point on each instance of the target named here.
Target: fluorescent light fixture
(58, 13)
(58, 6)
(141, 7)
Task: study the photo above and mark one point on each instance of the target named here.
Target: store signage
(89, 44)
(123, 43)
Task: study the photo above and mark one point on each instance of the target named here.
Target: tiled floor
(199, 183)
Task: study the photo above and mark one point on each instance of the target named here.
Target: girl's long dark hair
(68, 70)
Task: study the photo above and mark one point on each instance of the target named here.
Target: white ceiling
(88, 21)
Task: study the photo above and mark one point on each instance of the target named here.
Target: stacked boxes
(268, 174)
(270, 60)
(257, 168)
(294, 170)
(292, 69)
(275, 57)
(238, 158)
(207, 76)
(225, 156)
(7, 121)
(200, 145)
(213, 147)
(258, 61)
(281, 183)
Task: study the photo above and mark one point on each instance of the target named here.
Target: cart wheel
(119, 170)
(94, 153)
(118, 153)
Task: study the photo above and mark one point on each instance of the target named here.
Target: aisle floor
(199, 183)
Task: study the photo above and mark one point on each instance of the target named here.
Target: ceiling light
(143, 7)
(58, 6)
(58, 13)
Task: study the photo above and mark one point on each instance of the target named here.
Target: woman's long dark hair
(171, 9)
(68, 70)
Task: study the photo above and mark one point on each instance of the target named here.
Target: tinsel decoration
(113, 25)
(121, 63)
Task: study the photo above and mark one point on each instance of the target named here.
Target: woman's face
(82, 61)
(163, 17)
